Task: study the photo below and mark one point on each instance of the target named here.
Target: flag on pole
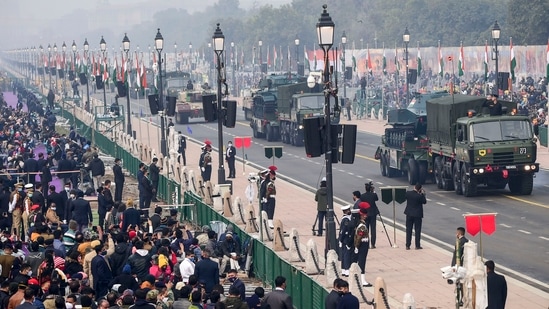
(268, 57)
(461, 65)
(115, 71)
(384, 65)
(513, 60)
(137, 70)
(143, 74)
(307, 62)
(275, 56)
(486, 61)
(440, 61)
(105, 71)
(315, 61)
(547, 73)
(418, 61)
(354, 62)
(370, 67)
(397, 63)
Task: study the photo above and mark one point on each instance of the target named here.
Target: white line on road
(360, 176)
(441, 204)
(525, 232)
(455, 208)
(505, 225)
(544, 238)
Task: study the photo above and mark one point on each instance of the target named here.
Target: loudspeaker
(503, 80)
(121, 89)
(53, 71)
(263, 68)
(349, 144)
(230, 114)
(99, 82)
(47, 70)
(335, 130)
(412, 76)
(153, 103)
(71, 75)
(170, 106)
(348, 73)
(300, 70)
(83, 78)
(61, 73)
(312, 135)
(209, 107)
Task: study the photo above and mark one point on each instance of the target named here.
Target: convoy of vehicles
(459, 149)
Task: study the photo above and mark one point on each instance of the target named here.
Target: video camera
(453, 274)
(369, 186)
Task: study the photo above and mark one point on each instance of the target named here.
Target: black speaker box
(61, 73)
(209, 107)
(230, 114)
(170, 106)
(312, 135)
(300, 70)
(503, 80)
(99, 82)
(412, 76)
(153, 103)
(349, 144)
(83, 78)
(121, 89)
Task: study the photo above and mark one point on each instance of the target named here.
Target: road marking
(360, 176)
(525, 232)
(352, 174)
(526, 201)
(455, 208)
(441, 204)
(544, 238)
(505, 225)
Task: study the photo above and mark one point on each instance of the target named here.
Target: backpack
(193, 306)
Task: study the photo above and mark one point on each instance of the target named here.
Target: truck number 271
(522, 150)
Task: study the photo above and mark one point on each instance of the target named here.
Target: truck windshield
(176, 83)
(311, 102)
(505, 130)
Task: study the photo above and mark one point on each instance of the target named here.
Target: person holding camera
(370, 197)
(321, 205)
(415, 200)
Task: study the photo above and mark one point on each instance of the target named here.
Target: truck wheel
(468, 184)
(438, 172)
(276, 134)
(269, 133)
(422, 172)
(248, 114)
(447, 182)
(457, 179)
(184, 117)
(298, 138)
(412, 171)
(527, 184)
(391, 172)
(256, 134)
(382, 166)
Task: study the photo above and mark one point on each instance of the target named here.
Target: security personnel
(181, 149)
(264, 174)
(346, 240)
(16, 207)
(415, 200)
(27, 204)
(362, 244)
(370, 197)
(230, 156)
(270, 195)
(205, 161)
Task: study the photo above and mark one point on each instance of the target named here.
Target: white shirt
(186, 268)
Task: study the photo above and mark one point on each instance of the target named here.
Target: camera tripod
(316, 220)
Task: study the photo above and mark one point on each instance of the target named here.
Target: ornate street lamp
(64, 49)
(325, 32)
(496, 33)
(86, 51)
(219, 46)
(103, 47)
(126, 48)
(296, 42)
(406, 39)
(260, 44)
(159, 45)
(343, 44)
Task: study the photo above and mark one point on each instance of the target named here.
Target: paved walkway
(414, 271)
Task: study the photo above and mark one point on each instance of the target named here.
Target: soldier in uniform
(362, 244)
(230, 157)
(270, 195)
(262, 184)
(181, 149)
(16, 207)
(27, 204)
(346, 240)
(370, 196)
(205, 162)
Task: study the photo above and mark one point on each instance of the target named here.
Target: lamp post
(44, 68)
(86, 50)
(210, 60)
(496, 32)
(55, 68)
(49, 62)
(103, 47)
(74, 48)
(190, 57)
(296, 42)
(64, 49)
(219, 46)
(233, 64)
(343, 43)
(325, 31)
(406, 39)
(175, 51)
(159, 45)
(260, 44)
(126, 47)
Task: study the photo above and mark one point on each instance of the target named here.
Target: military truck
(403, 149)
(264, 108)
(248, 101)
(469, 150)
(189, 105)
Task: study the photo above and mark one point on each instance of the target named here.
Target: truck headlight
(475, 171)
(527, 167)
(533, 167)
(481, 170)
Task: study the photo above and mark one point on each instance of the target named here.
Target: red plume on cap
(363, 205)
(272, 169)
(207, 142)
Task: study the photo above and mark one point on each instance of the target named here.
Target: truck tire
(412, 172)
(468, 184)
(391, 172)
(269, 133)
(299, 138)
(457, 179)
(438, 172)
(422, 172)
(184, 118)
(254, 128)
(382, 166)
(521, 184)
(447, 182)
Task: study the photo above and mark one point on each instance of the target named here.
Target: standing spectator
(122, 251)
(119, 179)
(254, 301)
(154, 173)
(80, 210)
(139, 176)
(370, 197)
(28, 300)
(415, 200)
(278, 299)
(31, 168)
(458, 248)
(232, 277)
(182, 148)
(321, 205)
(155, 219)
(234, 300)
(101, 207)
(140, 261)
(187, 266)
(207, 271)
(147, 190)
(497, 287)
(230, 157)
(97, 168)
(55, 198)
(107, 193)
(131, 216)
(347, 300)
(331, 300)
(101, 271)
(38, 197)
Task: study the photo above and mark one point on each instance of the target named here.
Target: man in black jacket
(119, 179)
(497, 287)
(140, 261)
(97, 168)
(415, 200)
(121, 253)
(207, 271)
(57, 199)
(131, 216)
(81, 210)
(101, 271)
(154, 173)
(147, 190)
(370, 196)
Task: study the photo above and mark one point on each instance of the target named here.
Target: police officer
(370, 197)
(230, 157)
(362, 244)
(182, 147)
(205, 161)
(346, 240)
(270, 195)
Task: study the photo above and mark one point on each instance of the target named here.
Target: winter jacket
(118, 259)
(97, 167)
(320, 198)
(235, 303)
(140, 262)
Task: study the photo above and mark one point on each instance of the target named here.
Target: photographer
(370, 197)
(415, 200)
